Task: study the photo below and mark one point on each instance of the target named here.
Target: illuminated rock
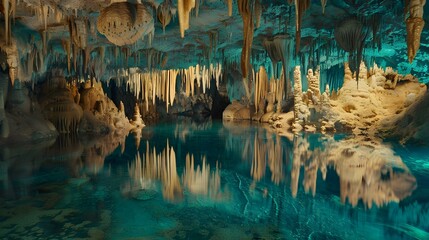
(124, 23)
(415, 24)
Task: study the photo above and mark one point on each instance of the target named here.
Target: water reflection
(368, 170)
(68, 157)
(160, 167)
(218, 175)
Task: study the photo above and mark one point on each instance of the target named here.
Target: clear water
(213, 181)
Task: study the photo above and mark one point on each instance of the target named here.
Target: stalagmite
(245, 8)
(314, 83)
(261, 87)
(415, 24)
(300, 7)
(137, 118)
(301, 111)
(184, 8)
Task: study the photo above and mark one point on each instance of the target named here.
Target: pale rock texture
(100, 113)
(379, 97)
(236, 111)
(124, 23)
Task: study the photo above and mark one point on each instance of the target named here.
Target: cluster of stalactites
(158, 166)
(157, 83)
(279, 48)
(43, 11)
(201, 180)
(161, 84)
(202, 76)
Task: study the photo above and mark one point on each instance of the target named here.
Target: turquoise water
(214, 180)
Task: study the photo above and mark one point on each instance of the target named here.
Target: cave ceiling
(214, 36)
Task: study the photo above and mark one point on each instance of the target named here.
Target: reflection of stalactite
(300, 154)
(275, 160)
(202, 181)
(154, 166)
(367, 173)
(259, 160)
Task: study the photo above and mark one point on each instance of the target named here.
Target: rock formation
(184, 8)
(379, 99)
(124, 23)
(137, 120)
(415, 24)
(164, 13)
(59, 107)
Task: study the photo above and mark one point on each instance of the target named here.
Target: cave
(214, 119)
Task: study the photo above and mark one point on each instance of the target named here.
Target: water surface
(214, 180)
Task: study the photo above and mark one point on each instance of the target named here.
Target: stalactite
(350, 36)
(245, 8)
(184, 8)
(45, 14)
(229, 3)
(323, 3)
(44, 35)
(164, 14)
(258, 13)
(197, 7)
(279, 48)
(6, 21)
(67, 49)
(300, 7)
(415, 24)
